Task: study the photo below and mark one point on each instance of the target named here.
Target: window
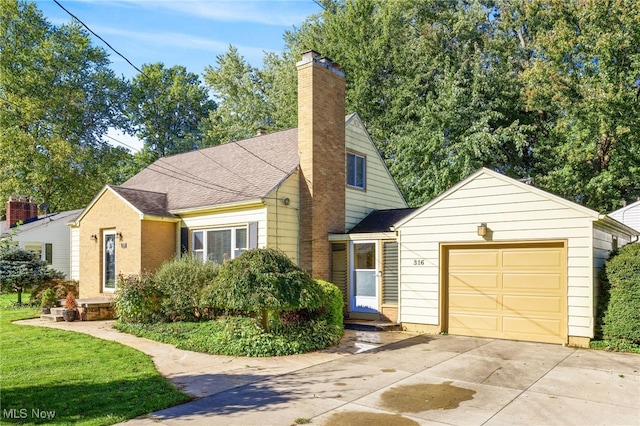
(356, 170)
(44, 251)
(219, 245)
(34, 247)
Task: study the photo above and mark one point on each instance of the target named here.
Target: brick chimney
(321, 146)
(21, 210)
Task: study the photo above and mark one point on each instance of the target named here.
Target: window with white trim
(219, 245)
(43, 250)
(356, 170)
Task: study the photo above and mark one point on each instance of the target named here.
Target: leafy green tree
(22, 269)
(57, 99)
(582, 74)
(262, 281)
(166, 108)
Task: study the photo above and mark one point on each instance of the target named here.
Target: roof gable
(484, 172)
(229, 173)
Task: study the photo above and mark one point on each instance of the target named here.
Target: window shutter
(48, 249)
(253, 235)
(390, 273)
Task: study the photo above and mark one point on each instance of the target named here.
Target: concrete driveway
(398, 379)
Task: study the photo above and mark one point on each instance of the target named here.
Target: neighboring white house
(629, 215)
(49, 236)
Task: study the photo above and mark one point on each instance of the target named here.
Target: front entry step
(364, 325)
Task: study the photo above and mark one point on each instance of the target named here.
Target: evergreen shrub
(622, 317)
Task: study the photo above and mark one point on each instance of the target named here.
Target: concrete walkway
(396, 379)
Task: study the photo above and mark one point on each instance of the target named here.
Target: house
(494, 257)
(490, 257)
(288, 190)
(47, 235)
(629, 215)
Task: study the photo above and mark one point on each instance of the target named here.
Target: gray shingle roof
(380, 220)
(230, 173)
(148, 202)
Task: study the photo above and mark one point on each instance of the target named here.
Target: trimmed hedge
(622, 317)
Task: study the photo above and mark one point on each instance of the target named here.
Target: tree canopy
(542, 90)
(57, 98)
(166, 109)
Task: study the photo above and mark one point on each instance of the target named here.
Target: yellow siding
(230, 217)
(381, 191)
(282, 218)
(512, 213)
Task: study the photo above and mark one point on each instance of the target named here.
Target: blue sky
(190, 33)
(184, 32)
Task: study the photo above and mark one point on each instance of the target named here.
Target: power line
(100, 38)
(134, 149)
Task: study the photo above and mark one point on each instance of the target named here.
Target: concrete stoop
(54, 316)
(88, 310)
(364, 325)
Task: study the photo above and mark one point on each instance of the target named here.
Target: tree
(57, 98)
(22, 269)
(582, 74)
(264, 280)
(166, 108)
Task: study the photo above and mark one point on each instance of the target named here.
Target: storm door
(109, 261)
(364, 278)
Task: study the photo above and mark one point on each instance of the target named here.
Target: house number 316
(418, 262)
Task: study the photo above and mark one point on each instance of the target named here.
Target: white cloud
(266, 12)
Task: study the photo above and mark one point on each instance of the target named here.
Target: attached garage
(495, 257)
(508, 291)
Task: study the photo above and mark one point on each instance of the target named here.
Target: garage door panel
(466, 324)
(535, 329)
(543, 257)
(465, 281)
(532, 304)
(523, 281)
(470, 259)
(475, 302)
(508, 291)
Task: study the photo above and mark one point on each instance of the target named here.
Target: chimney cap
(313, 57)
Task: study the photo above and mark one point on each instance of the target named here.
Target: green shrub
(332, 303)
(264, 280)
(622, 316)
(239, 336)
(61, 287)
(137, 299)
(182, 282)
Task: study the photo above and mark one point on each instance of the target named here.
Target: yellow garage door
(508, 291)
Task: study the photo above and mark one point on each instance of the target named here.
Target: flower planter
(69, 315)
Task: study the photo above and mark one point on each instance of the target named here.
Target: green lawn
(77, 378)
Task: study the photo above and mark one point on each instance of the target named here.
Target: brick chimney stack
(21, 210)
(321, 146)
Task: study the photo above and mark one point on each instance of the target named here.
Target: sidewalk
(198, 374)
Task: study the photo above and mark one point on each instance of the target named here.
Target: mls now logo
(15, 413)
(23, 413)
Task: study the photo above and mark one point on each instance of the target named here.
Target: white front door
(364, 277)
(109, 261)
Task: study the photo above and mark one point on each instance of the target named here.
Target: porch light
(94, 237)
(482, 229)
(119, 235)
